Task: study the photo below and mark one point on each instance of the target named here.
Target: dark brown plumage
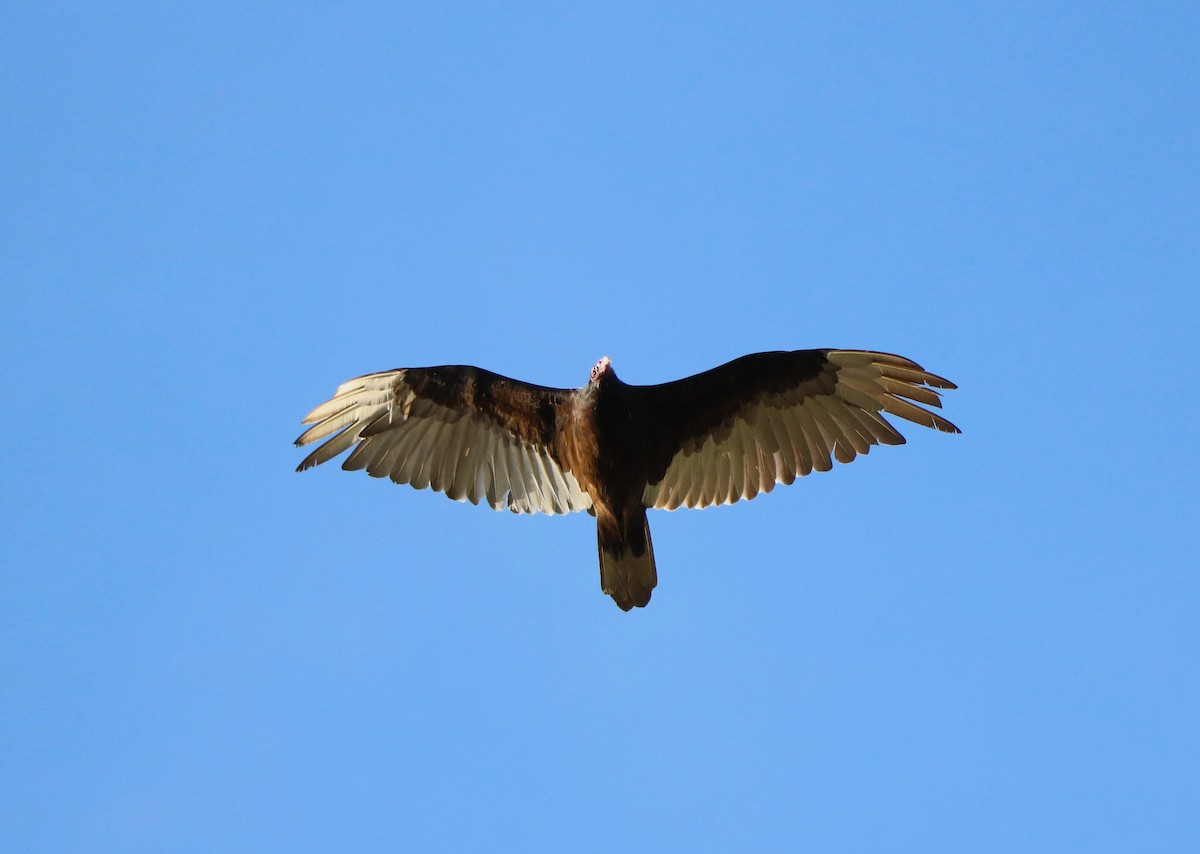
(616, 450)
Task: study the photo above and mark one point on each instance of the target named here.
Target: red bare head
(600, 369)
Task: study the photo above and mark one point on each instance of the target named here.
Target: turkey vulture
(614, 449)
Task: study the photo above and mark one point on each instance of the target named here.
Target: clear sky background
(210, 216)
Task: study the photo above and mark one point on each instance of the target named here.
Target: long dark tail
(627, 572)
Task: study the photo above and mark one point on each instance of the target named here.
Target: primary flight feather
(614, 449)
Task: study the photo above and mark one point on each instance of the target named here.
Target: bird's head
(600, 370)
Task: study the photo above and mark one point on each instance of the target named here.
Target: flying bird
(616, 450)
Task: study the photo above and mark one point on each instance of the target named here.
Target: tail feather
(627, 571)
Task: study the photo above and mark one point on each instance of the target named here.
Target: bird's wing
(469, 433)
(737, 430)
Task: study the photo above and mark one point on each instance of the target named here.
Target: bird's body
(615, 449)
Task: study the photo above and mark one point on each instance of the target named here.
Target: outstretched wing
(469, 433)
(737, 430)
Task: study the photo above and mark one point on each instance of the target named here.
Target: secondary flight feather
(616, 450)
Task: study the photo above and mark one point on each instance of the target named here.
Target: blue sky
(214, 215)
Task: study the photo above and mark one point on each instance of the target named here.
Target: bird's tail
(627, 572)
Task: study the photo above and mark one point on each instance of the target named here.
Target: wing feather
(708, 461)
(519, 476)
(835, 409)
(448, 471)
(421, 457)
(330, 449)
(765, 475)
(500, 490)
(495, 473)
(787, 463)
(393, 460)
(804, 455)
(459, 430)
(443, 465)
(735, 453)
(474, 460)
(819, 445)
(832, 435)
(365, 456)
(772, 417)
(458, 468)
(546, 491)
